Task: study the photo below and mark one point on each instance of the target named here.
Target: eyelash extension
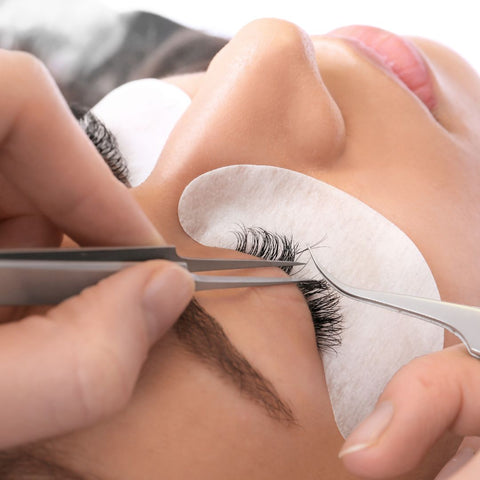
(261, 243)
(104, 141)
(322, 301)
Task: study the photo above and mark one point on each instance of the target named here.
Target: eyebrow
(204, 337)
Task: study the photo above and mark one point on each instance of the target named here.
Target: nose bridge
(262, 101)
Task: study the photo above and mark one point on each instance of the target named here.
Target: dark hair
(140, 56)
(185, 51)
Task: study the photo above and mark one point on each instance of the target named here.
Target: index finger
(47, 157)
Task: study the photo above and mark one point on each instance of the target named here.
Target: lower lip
(397, 55)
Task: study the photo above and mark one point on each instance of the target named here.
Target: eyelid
(321, 300)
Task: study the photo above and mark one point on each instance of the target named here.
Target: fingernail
(165, 297)
(369, 431)
(456, 463)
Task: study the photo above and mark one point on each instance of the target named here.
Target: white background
(454, 23)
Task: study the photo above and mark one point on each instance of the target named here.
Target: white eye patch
(141, 114)
(358, 245)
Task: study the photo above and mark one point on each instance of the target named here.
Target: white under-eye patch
(141, 114)
(358, 245)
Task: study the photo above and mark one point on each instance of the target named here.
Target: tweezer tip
(281, 263)
(317, 266)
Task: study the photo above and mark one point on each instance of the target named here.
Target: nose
(262, 101)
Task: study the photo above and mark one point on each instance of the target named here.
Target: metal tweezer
(48, 276)
(462, 320)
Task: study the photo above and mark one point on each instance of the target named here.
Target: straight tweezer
(138, 254)
(48, 276)
(462, 320)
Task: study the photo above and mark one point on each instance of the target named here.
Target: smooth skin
(53, 182)
(327, 108)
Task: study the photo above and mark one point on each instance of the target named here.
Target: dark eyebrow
(204, 337)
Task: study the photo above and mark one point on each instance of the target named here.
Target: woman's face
(392, 124)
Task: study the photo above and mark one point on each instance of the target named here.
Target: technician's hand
(68, 367)
(429, 396)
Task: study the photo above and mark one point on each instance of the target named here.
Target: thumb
(432, 396)
(80, 361)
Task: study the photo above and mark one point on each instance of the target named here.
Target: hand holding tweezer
(48, 276)
(462, 320)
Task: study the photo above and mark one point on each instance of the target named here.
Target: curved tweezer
(462, 320)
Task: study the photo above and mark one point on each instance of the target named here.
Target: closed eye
(322, 301)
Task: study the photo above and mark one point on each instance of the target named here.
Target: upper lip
(398, 55)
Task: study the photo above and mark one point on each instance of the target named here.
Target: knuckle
(26, 60)
(103, 377)
(103, 386)
(424, 377)
(22, 66)
(27, 81)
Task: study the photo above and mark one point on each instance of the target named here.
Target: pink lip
(397, 55)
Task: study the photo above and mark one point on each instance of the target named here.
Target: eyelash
(322, 301)
(104, 141)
